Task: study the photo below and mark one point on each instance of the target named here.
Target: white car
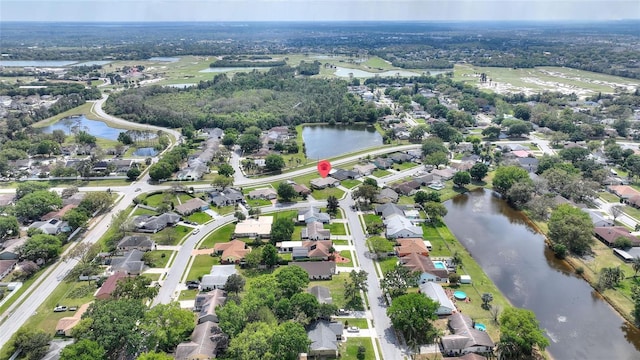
(353, 329)
(195, 231)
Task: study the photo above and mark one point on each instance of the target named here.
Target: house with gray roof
(341, 174)
(218, 276)
(311, 215)
(386, 195)
(465, 338)
(11, 248)
(317, 270)
(226, 197)
(386, 210)
(190, 206)
(382, 163)
(130, 263)
(315, 231)
(206, 339)
(321, 293)
(399, 226)
(325, 337)
(51, 227)
(153, 224)
(206, 304)
(364, 169)
(323, 183)
(435, 292)
(137, 242)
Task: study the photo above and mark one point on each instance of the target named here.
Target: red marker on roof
(324, 167)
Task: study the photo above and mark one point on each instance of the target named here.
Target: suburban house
(364, 169)
(468, 356)
(301, 189)
(387, 210)
(217, 278)
(609, 234)
(465, 338)
(317, 270)
(287, 246)
(190, 206)
(206, 304)
(341, 174)
(137, 242)
(67, 323)
(324, 336)
(155, 223)
(528, 163)
(320, 249)
(74, 199)
(399, 226)
(598, 219)
(399, 157)
(226, 197)
(232, 252)
(263, 193)
(624, 191)
(435, 292)
(57, 214)
(386, 195)
(444, 174)
(206, 339)
(322, 294)
(6, 266)
(254, 227)
(427, 179)
(315, 231)
(408, 246)
(423, 265)
(382, 163)
(11, 248)
(51, 227)
(130, 263)
(109, 285)
(311, 215)
(323, 183)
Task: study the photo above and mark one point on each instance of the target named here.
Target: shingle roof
(435, 292)
(323, 294)
(323, 335)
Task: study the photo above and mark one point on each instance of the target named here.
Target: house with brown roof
(206, 340)
(206, 304)
(427, 269)
(609, 234)
(301, 189)
(406, 246)
(66, 324)
(267, 193)
(323, 183)
(624, 191)
(231, 252)
(320, 249)
(11, 248)
(190, 206)
(57, 214)
(6, 266)
(317, 270)
(315, 231)
(110, 285)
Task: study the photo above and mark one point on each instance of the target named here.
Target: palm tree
(636, 265)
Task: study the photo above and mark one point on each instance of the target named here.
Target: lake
(344, 72)
(36, 63)
(578, 322)
(96, 128)
(326, 141)
(163, 59)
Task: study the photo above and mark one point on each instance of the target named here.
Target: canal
(578, 323)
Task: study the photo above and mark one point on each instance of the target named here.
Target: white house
(218, 277)
(435, 292)
(399, 226)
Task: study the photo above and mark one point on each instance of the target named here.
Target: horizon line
(583, 21)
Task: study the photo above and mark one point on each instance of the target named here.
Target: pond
(81, 123)
(36, 63)
(326, 141)
(578, 322)
(145, 151)
(345, 72)
(163, 59)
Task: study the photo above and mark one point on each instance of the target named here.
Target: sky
(317, 10)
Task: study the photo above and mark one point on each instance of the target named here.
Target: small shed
(465, 279)
(623, 255)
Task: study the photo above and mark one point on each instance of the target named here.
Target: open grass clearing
(359, 322)
(336, 228)
(350, 183)
(609, 197)
(405, 165)
(171, 235)
(158, 258)
(140, 211)
(152, 276)
(335, 286)
(199, 217)
(221, 235)
(380, 173)
(224, 210)
(340, 242)
(351, 346)
(188, 294)
(201, 266)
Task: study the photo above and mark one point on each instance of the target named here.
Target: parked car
(342, 312)
(72, 308)
(193, 284)
(195, 231)
(353, 329)
(59, 308)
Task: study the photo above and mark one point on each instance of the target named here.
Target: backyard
(335, 286)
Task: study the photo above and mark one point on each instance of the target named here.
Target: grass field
(336, 228)
(171, 235)
(404, 166)
(199, 217)
(336, 287)
(380, 173)
(157, 259)
(359, 322)
(609, 197)
(350, 184)
(223, 234)
(201, 266)
(325, 193)
(350, 351)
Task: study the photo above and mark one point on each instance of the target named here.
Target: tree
(9, 227)
(305, 307)
(221, 182)
(291, 280)
(114, 325)
(83, 350)
(370, 181)
(478, 171)
(133, 173)
(421, 197)
(616, 210)
(396, 281)
(454, 278)
(289, 340)
(33, 343)
(274, 162)
(491, 132)
(520, 193)
(282, 230)
(635, 295)
(41, 246)
(487, 298)
(47, 147)
(166, 325)
(437, 158)
(635, 265)
(632, 163)
(76, 218)
(366, 192)
(574, 154)
(96, 201)
(520, 334)
(332, 204)
(413, 315)
(152, 355)
(160, 171)
(357, 282)
(417, 133)
(434, 210)
(135, 288)
(58, 136)
(235, 283)
(506, 176)
(231, 318)
(571, 227)
(83, 137)
(286, 192)
(609, 277)
(522, 112)
(32, 206)
(226, 170)
(29, 187)
(254, 342)
(248, 142)
(461, 178)
(433, 145)
(270, 256)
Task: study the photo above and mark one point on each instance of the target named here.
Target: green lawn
(222, 234)
(359, 322)
(631, 211)
(152, 276)
(223, 210)
(155, 200)
(350, 351)
(199, 217)
(325, 193)
(159, 258)
(297, 233)
(201, 266)
(336, 286)
(140, 211)
(349, 183)
(171, 235)
(609, 197)
(346, 254)
(336, 228)
(388, 264)
(258, 202)
(368, 218)
(405, 165)
(188, 294)
(340, 242)
(380, 173)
